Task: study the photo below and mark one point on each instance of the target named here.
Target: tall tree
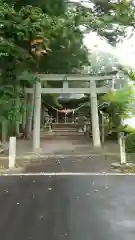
(24, 36)
(51, 7)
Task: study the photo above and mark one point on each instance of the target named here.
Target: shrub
(127, 129)
(130, 143)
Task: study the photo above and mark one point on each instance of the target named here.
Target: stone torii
(37, 90)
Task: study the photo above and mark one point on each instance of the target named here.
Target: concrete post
(24, 111)
(94, 115)
(84, 128)
(37, 116)
(12, 152)
(57, 117)
(30, 113)
(102, 128)
(65, 118)
(18, 110)
(122, 148)
(73, 117)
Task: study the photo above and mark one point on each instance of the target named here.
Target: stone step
(65, 134)
(62, 135)
(64, 130)
(68, 134)
(65, 125)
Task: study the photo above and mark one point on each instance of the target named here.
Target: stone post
(12, 152)
(57, 117)
(94, 115)
(102, 128)
(122, 148)
(24, 111)
(37, 116)
(30, 113)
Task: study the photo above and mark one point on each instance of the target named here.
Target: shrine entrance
(92, 90)
(66, 115)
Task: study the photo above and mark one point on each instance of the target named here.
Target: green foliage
(114, 16)
(107, 17)
(130, 143)
(27, 33)
(57, 25)
(18, 30)
(127, 129)
(51, 7)
(119, 107)
(128, 71)
(122, 96)
(120, 99)
(61, 32)
(24, 39)
(132, 75)
(68, 53)
(51, 100)
(8, 100)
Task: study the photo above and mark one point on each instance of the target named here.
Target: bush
(127, 129)
(130, 143)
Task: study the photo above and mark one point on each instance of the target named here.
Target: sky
(124, 51)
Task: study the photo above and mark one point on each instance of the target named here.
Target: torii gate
(37, 90)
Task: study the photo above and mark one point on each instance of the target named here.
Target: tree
(48, 7)
(24, 36)
(109, 18)
(114, 17)
(28, 32)
(119, 106)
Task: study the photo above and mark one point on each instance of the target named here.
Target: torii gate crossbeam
(92, 90)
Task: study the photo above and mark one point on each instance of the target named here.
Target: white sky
(124, 51)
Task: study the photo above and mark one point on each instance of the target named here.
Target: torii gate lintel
(92, 90)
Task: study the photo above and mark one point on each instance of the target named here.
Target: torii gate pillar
(94, 115)
(37, 116)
